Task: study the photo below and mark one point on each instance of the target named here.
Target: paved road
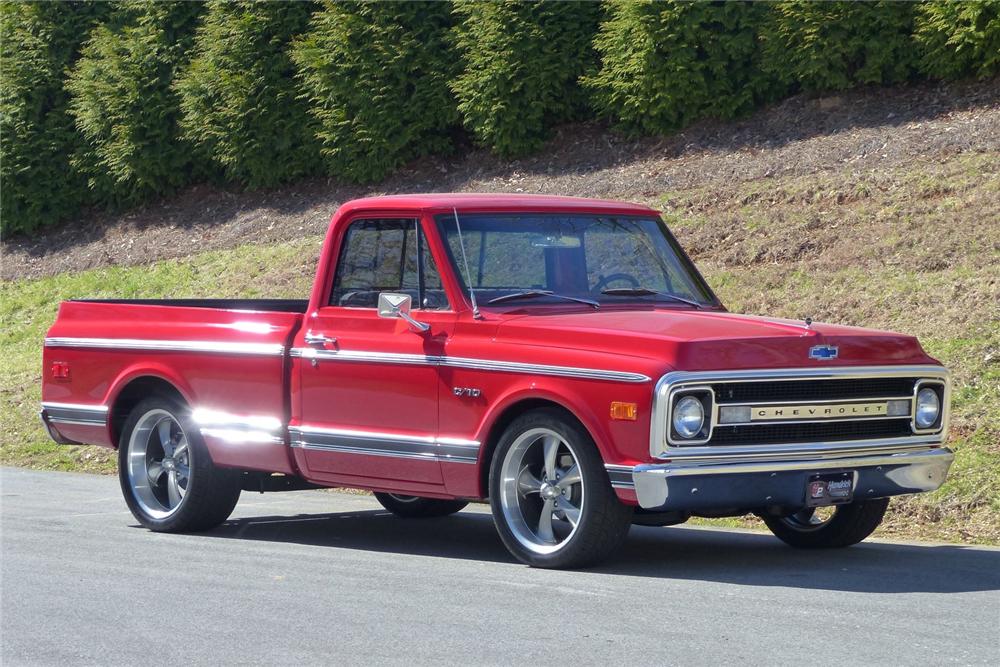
(313, 576)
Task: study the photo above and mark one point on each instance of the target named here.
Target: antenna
(468, 274)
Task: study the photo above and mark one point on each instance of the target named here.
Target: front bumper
(752, 484)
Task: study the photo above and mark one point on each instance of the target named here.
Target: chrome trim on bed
(469, 363)
(77, 414)
(370, 443)
(239, 429)
(152, 345)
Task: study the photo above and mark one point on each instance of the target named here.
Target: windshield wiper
(646, 291)
(535, 293)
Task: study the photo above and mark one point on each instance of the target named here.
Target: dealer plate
(832, 488)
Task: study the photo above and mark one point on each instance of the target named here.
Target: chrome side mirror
(394, 305)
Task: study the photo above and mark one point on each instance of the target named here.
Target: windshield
(606, 259)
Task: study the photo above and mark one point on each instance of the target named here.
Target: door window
(386, 255)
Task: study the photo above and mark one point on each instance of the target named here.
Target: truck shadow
(665, 553)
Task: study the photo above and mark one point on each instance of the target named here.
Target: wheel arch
(505, 415)
(133, 390)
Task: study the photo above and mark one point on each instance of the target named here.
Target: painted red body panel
(417, 401)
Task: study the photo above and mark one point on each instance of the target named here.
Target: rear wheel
(552, 501)
(415, 507)
(829, 527)
(166, 474)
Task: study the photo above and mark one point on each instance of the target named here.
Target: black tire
(849, 525)
(414, 507)
(602, 521)
(210, 493)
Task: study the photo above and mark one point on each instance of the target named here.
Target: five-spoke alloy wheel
(166, 474)
(552, 501)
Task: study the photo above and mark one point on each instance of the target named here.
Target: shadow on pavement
(667, 553)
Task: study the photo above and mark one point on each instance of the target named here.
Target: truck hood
(708, 340)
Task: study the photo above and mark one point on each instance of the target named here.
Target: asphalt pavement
(317, 577)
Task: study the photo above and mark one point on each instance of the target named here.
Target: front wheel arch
(505, 419)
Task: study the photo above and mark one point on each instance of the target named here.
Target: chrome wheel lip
(403, 498)
(512, 498)
(159, 479)
(805, 520)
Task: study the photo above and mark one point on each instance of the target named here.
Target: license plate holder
(829, 488)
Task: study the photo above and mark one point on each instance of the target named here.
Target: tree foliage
(239, 95)
(376, 76)
(521, 62)
(124, 103)
(664, 64)
(959, 38)
(38, 41)
(835, 45)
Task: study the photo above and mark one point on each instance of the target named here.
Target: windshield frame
(444, 221)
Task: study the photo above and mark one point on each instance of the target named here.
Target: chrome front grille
(798, 391)
(787, 410)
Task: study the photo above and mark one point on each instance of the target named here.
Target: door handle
(319, 339)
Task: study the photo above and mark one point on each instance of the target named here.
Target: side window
(386, 255)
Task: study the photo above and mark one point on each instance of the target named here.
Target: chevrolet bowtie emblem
(823, 352)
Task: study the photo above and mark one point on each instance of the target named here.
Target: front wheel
(552, 501)
(166, 474)
(829, 527)
(415, 507)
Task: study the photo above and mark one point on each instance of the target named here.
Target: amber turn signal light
(624, 411)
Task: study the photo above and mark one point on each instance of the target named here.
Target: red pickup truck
(560, 357)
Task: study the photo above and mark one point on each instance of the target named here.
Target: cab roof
(467, 201)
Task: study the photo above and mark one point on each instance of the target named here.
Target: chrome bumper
(743, 484)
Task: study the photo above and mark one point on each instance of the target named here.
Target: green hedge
(664, 64)
(38, 41)
(125, 106)
(376, 76)
(836, 45)
(118, 102)
(959, 39)
(239, 95)
(521, 62)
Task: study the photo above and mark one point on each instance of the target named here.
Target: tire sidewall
(200, 464)
(594, 478)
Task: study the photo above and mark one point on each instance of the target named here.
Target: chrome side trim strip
(660, 447)
(369, 443)
(469, 363)
(77, 414)
(620, 476)
(239, 429)
(211, 347)
(93, 407)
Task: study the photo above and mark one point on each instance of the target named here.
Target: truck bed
(254, 305)
(211, 351)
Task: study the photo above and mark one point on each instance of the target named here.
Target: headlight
(688, 417)
(928, 408)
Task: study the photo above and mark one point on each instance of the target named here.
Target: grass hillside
(879, 208)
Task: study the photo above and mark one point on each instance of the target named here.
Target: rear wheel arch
(135, 391)
(506, 416)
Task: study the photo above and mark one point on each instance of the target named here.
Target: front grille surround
(818, 385)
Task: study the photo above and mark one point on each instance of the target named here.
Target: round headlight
(689, 417)
(928, 408)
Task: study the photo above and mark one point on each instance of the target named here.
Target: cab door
(368, 385)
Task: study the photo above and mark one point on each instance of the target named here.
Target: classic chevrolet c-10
(560, 357)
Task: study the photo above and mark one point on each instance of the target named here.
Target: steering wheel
(604, 281)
